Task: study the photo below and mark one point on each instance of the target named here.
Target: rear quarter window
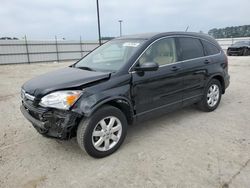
(189, 48)
(209, 48)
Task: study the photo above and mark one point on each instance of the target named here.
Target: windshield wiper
(86, 68)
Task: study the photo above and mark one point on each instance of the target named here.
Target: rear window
(190, 48)
(209, 48)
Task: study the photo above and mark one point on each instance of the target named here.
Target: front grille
(235, 49)
(31, 107)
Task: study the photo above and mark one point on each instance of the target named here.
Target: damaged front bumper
(51, 122)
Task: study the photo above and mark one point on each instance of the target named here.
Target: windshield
(241, 43)
(111, 56)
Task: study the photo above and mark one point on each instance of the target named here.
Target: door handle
(175, 68)
(206, 61)
(200, 72)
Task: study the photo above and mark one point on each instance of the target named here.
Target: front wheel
(228, 53)
(246, 52)
(102, 133)
(212, 96)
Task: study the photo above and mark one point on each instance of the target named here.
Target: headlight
(61, 99)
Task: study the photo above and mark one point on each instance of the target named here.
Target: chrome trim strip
(22, 93)
(30, 97)
(129, 71)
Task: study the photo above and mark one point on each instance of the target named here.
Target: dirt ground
(187, 148)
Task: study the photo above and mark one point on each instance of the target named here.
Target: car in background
(239, 48)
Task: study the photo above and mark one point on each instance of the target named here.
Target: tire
(206, 105)
(94, 124)
(245, 52)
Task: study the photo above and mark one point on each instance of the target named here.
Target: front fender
(116, 99)
(117, 90)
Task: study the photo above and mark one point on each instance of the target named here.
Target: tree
(236, 31)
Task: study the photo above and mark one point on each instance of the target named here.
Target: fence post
(27, 49)
(81, 46)
(57, 55)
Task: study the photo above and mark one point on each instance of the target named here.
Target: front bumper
(51, 122)
(235, 51)
(37, 123)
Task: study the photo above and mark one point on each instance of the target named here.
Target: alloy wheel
(213, 95)
(107, 133)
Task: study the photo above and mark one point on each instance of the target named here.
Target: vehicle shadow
(167, 120)
(136, 131)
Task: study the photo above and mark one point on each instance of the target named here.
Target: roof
(158, 35)
(139, 36)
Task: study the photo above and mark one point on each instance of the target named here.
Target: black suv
(239, 48)
(125, 80)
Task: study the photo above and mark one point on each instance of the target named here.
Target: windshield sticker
(131, 44)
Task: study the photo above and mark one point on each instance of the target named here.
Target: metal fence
(25, 51)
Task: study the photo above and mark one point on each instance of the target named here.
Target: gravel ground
(187, 148)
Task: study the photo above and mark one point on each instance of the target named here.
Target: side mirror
(147, 66)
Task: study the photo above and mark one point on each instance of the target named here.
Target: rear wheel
(102, 133)
(211, 97)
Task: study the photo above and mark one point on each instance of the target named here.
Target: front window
(161, 52)
(111, 56)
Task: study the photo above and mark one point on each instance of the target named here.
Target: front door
(154, 91)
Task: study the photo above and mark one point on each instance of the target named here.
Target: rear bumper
(227, 81)
(51, 123)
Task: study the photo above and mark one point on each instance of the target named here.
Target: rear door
(191, 54)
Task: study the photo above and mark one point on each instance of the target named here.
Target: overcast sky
(43, 19)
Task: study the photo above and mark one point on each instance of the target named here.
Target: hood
(62, 79)
(241, 45)
(238, 46)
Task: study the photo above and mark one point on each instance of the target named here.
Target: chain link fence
(29, 51)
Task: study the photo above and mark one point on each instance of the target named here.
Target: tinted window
(162, 52)
(190, 48)
(209, 48)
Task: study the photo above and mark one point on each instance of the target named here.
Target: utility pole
(120, 21)
(98, 20)
(27, 49)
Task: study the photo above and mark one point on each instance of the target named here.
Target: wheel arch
(119, 102)
(220, 78)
